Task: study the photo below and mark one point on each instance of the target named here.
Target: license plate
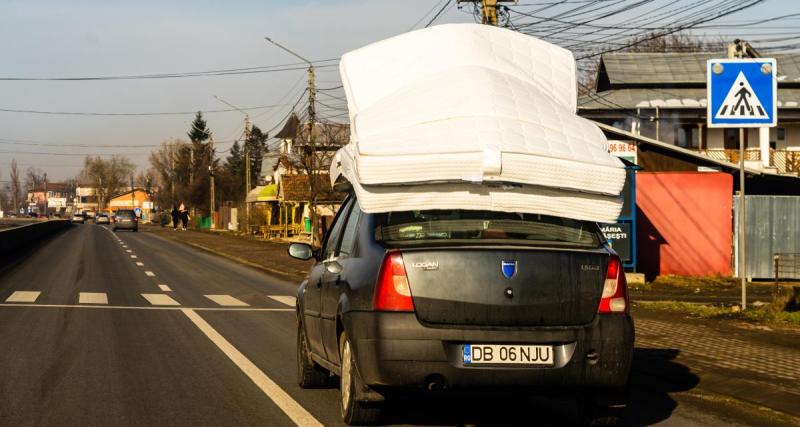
(508, 354)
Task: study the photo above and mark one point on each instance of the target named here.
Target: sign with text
(619, 237)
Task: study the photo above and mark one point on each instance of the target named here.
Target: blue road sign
(742, 93)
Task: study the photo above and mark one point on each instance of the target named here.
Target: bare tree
(34, 178)
(109, 176)
(171, 163)
(15, 186)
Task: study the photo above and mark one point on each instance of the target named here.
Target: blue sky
(91, 38)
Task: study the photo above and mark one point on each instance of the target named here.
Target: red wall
(684, 222)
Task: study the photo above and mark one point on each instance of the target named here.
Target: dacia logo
(588, 267)
(427, 265)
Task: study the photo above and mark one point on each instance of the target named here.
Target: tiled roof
(617, 99)
(664, 69)
(295, 188)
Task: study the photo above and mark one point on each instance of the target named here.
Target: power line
(439, 13)
(426, 14)
(227, 72)
(136, 114)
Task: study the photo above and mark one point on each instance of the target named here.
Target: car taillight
(615, 289)
(392, 292)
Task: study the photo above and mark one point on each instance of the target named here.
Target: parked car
(126, 219)
(101, 218)
(77, 219)
(456, 299)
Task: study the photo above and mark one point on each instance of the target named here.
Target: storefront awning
(264, 193)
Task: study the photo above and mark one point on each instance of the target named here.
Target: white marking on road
(150, 273)
(140, 264)
(23, 296)
(92, 298)
(164, 288)
(290, 301)
(133, 256)
(160, 299)
(227, 301)
(289, 406)
(129, 251)
(143, 307)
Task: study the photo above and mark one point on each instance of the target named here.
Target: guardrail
(12, 239)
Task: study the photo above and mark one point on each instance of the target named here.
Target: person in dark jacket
(184, 215)
(175, 215)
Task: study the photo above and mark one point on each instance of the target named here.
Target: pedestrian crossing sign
(742, 93)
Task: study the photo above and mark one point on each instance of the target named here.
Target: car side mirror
(301, 251)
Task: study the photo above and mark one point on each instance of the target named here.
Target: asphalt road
(90, 337)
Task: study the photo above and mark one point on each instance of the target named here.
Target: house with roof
(662, 96)
(57, 197)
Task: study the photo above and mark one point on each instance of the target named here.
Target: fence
(772, 227)
(785, 161)
(787, 266)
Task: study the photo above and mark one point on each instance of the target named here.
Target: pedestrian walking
(184, 215)
(175, 217)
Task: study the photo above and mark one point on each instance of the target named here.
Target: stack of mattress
(472, 116)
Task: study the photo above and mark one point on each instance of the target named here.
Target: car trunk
(467, 286)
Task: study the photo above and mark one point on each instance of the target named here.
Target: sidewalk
(749, 363)
(268, 256)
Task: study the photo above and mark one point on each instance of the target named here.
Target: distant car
(101, 219)
(126, 219)
(34, 215)
(459, 299)
(77, 218)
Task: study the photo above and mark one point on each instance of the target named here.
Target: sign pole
(742, 239)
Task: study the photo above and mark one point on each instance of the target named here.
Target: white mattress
(436, 112)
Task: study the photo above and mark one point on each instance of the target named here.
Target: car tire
(135, 230)
(602, 407)
(354, 412)
(309, 374)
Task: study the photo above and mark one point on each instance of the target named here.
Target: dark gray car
(456, 299)
(126, 219)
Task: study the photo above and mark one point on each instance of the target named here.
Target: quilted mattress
(481, 116)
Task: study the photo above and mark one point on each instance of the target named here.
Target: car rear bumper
(126, 225)
(395, 350)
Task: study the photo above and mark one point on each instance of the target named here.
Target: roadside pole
(742, 264)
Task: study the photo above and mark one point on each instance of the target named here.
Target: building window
(687, 136)
(732, 139)
(781, 134)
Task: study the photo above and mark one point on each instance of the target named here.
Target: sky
(107, 38)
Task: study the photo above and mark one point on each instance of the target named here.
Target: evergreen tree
(235, 161)
(257, 146)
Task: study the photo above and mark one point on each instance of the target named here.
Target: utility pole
(211, 205)
(133, 196)
(45, 194)
(488, 9)
(247, 133)
(310, 138)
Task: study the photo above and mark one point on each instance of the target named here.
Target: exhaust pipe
(434, 383)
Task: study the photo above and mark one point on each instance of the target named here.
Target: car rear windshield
(423, 228)
(125, 214)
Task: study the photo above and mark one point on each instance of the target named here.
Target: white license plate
(507, 354)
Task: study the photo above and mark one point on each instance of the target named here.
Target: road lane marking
(289, 406)
(164, 288)
(129, 251)
(160, 299)
(23, 296)
(140, 264)
(143, 307)
(150, 273)
(92, 298)
(227, 301)
(133, 256)
(290, 301)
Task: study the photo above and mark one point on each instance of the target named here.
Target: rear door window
(349, 235)
(436, 227)
(332, 240)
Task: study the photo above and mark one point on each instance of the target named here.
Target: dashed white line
(164, 288)
(92, 298)
(23, 296)
(133, 256)
(150, 273)
(289, 406)
(129, 251)
(290, 301)
(160, 299)
(140, 264)
(227, 301)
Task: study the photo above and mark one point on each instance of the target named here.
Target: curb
(233, 258)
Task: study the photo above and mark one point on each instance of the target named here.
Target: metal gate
(773, 227)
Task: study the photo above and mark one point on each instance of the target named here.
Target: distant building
(139, 200)
(86, 198)
(663, 96)
(57, 196)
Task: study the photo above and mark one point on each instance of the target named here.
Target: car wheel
(309, 374)
(354, 412)
(602, 407)
(115, 229)
(135, 230)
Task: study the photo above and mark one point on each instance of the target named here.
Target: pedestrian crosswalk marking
(92, 298)
(23, 296)
(164, 288)
(741, 102)
(227, 301)
(283, 299)
(160, 299)
(140, 264)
